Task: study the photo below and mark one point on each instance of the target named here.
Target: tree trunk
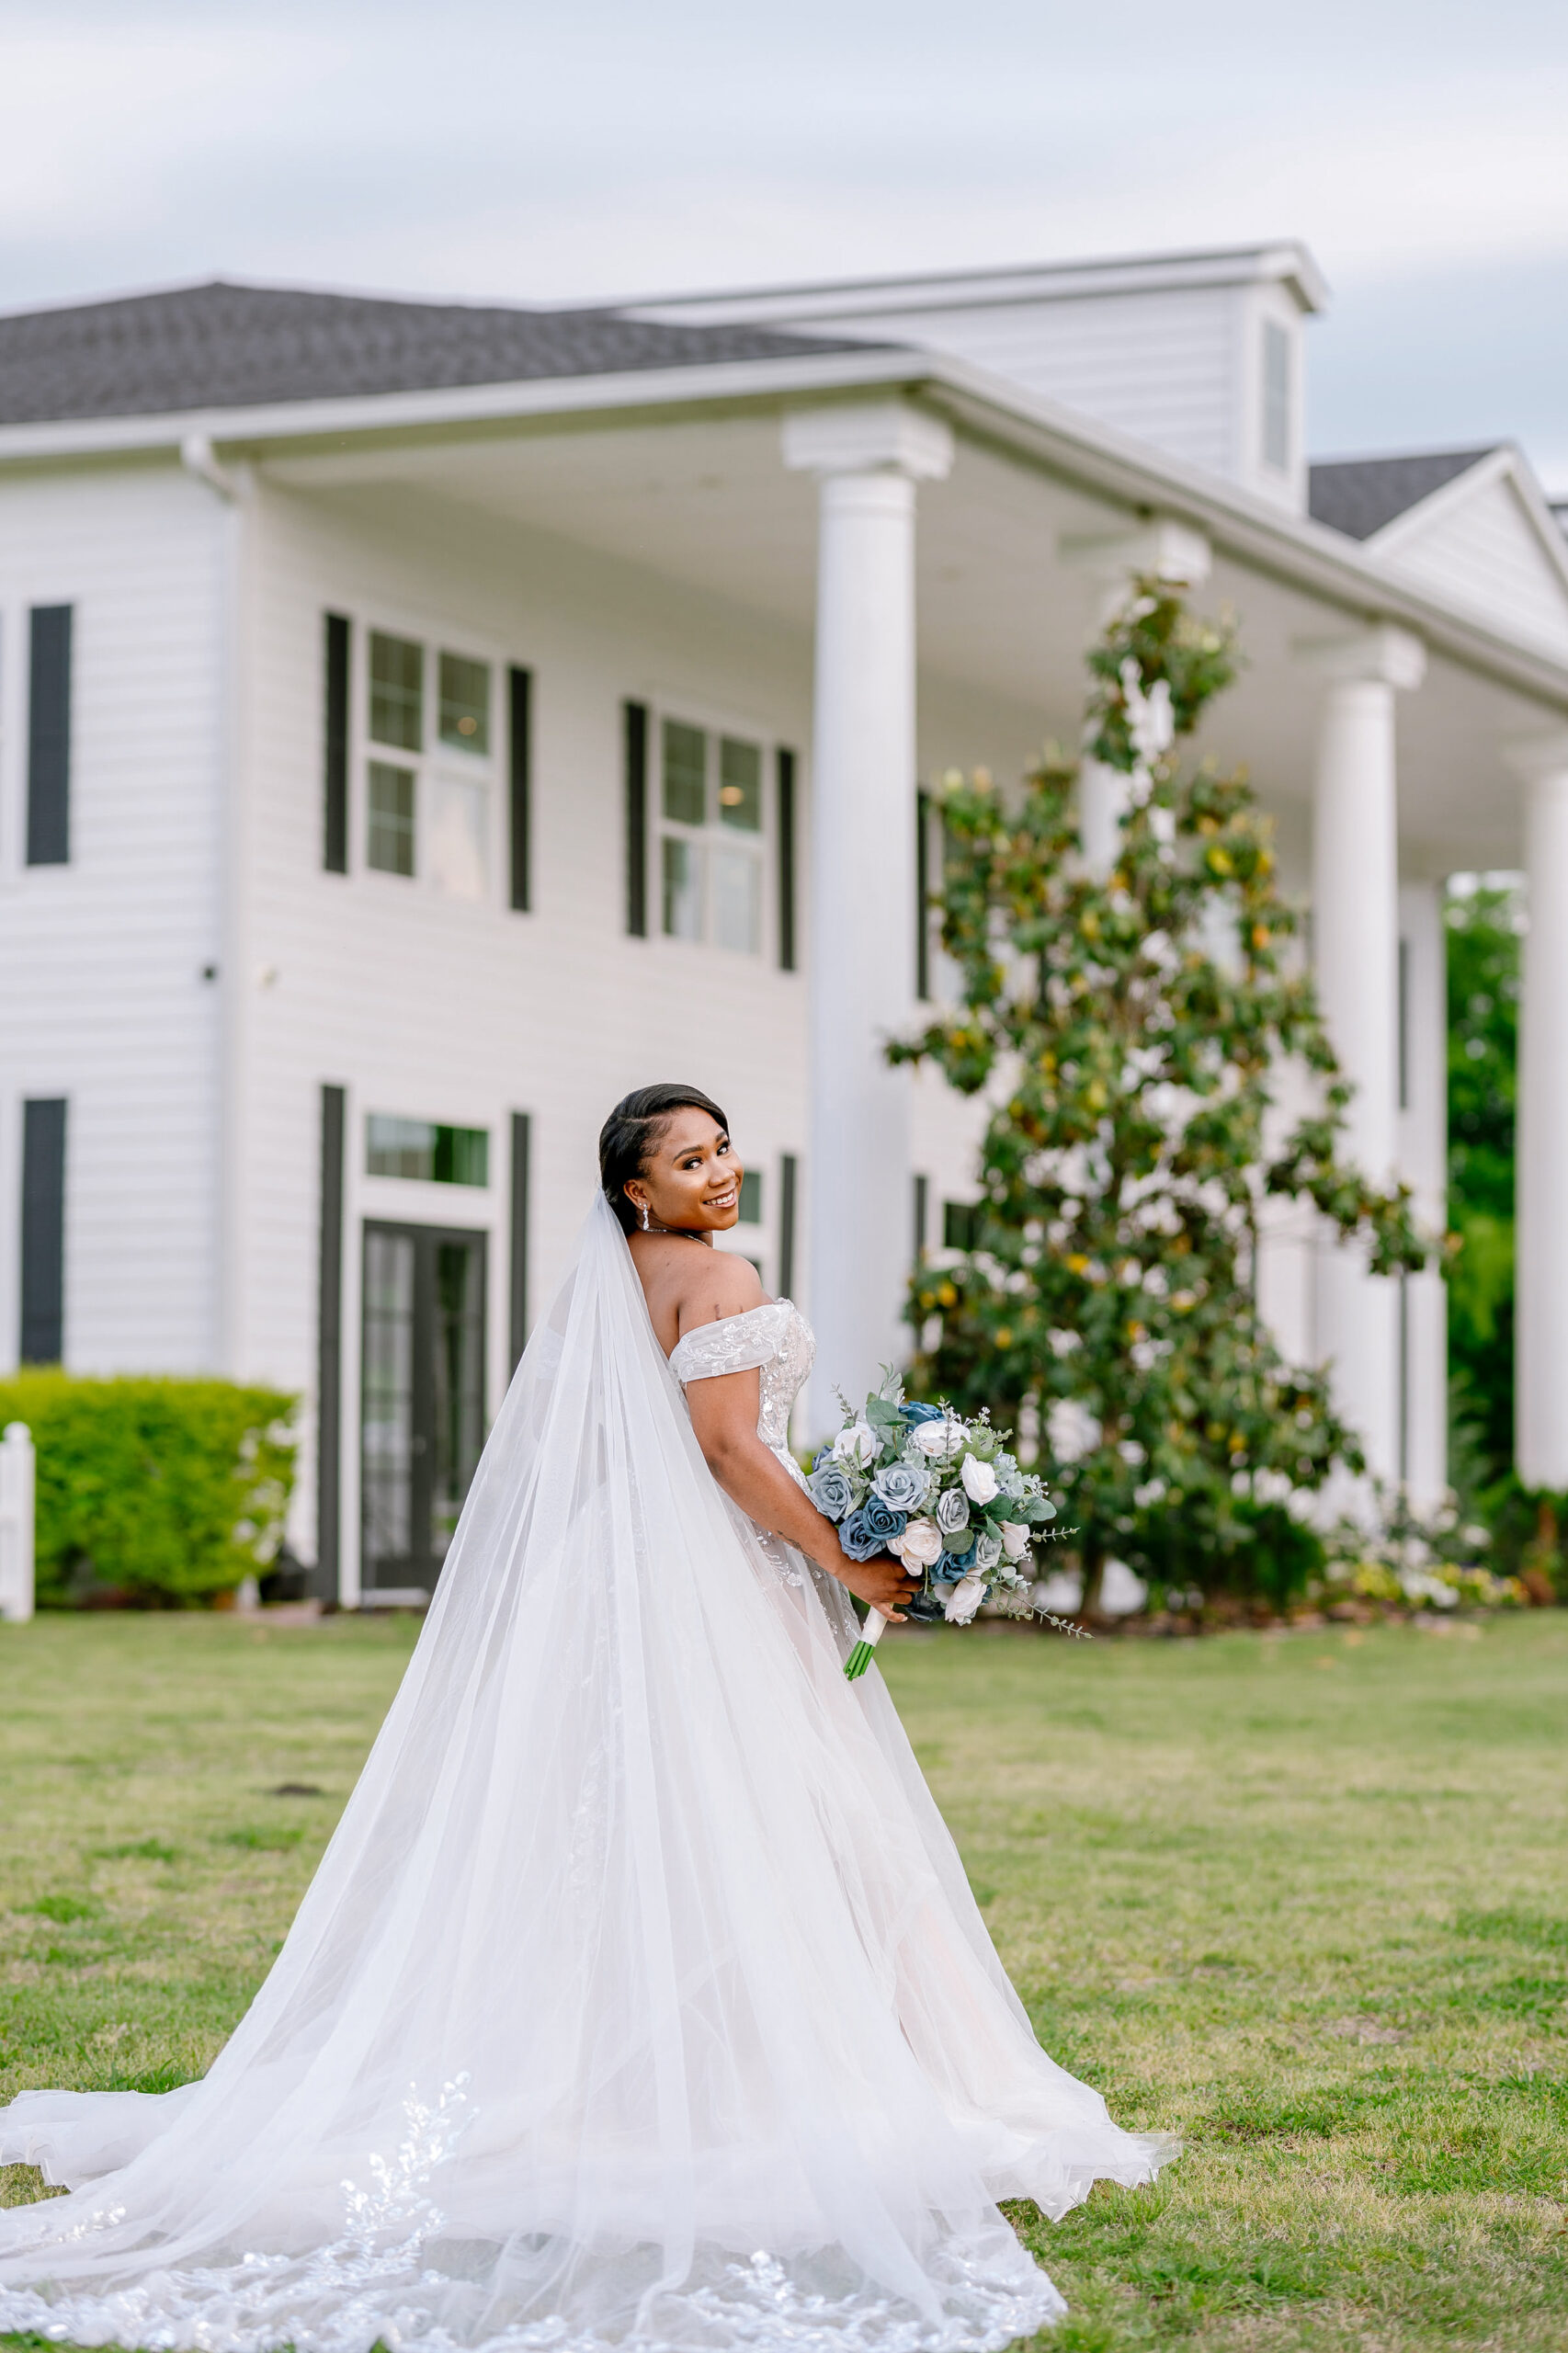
(1092, 1553)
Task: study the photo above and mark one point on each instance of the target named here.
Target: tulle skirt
(639, 1998)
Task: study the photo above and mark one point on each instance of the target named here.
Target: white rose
(1015, 1539)
(937, 1439)
(921, 1542)
(856, 1444)
(963, 1599)
(979, 1479)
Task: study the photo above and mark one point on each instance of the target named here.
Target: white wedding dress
(639, 1998)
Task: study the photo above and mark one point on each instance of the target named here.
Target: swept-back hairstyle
(631, 1130)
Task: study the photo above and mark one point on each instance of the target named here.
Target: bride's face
(692, 1178)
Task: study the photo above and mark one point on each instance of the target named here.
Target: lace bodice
(775, 1338)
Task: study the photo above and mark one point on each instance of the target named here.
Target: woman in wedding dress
(639, 1999)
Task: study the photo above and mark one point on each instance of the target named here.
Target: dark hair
(631, 1130)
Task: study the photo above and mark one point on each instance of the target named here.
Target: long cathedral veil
(639, 1995)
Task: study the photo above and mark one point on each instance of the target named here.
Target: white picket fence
(17, 1524)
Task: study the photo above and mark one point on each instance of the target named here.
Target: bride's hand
(881, 1582)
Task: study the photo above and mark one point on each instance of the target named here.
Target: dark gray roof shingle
(224, 346)
(1359, 495)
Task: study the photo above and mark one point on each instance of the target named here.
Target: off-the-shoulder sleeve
(734, 1344)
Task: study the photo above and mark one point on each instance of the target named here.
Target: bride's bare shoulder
(719, 1284)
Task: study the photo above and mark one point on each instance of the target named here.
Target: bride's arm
(723, 1414)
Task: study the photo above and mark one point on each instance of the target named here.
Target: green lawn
(1304, 1898)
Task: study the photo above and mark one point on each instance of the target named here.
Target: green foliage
(1128, 1032)
(1484, 945)
(167, 1491)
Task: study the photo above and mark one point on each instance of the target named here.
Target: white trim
(1286, 262)
(1503, 464)
(1309, 556)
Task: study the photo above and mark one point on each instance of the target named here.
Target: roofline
(1504, 463)
(988, 409)
(1281, 258)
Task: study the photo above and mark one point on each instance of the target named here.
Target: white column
(1424, 1165)
(1356, 952)
(869, 458)
(1541, 1281)
(1171, 553)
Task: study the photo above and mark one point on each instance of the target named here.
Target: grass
(1303, 1898)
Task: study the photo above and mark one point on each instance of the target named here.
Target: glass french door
(422, 1399)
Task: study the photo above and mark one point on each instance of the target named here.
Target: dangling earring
(644, 1217)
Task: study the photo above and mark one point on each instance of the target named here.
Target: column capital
(1162, 549)
(1383, 655)
(868, 436)
(1538, 759)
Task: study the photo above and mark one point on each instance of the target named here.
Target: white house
(421, 723)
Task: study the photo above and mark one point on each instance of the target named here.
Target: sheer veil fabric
(640, 1997)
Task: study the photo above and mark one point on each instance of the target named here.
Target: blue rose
(914, 1413)
(883, 1519)
(903, 1486)
(949, 1567)
(830, 1490)
(859, 1539)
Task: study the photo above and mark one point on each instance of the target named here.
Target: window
(1276, 396)
(389, 844)
(431, 1155)
(710, 836)
(961, 1225)
(751, 1198)
(428, 816)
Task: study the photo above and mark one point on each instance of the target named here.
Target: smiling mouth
(721, 1201)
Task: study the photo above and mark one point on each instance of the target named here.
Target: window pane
(462, 1156)
(683, 889)
(427, 1153)
(464, 717)
(737, 900)
(684, 772)
(397, 693)
(751, 1198)
(459, 1382)
(740, 785)
(391, 842)
(456, 837)
(387, 1395)
(1276, 396)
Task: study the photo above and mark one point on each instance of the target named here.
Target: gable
(1479, 544)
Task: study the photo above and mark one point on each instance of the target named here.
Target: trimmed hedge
(162, 1492)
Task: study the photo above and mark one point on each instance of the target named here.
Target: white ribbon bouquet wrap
(944, 1497)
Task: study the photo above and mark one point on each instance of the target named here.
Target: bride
(639, 1998)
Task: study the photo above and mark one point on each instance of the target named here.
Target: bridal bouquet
(943, 1495)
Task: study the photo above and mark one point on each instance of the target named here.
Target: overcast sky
(594, 148)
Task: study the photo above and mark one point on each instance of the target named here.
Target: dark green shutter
(329, 1347)
(43, 1231)
(786, 776)
(49, 736)
(334, 747)
(520, 706)
(637, 819)
(518, 1300)
(788, 1167)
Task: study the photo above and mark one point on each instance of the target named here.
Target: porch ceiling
(704, 500)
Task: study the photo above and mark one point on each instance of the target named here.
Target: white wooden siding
(101, 994)
(1483, 550)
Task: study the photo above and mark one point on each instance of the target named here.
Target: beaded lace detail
(776, 1339)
